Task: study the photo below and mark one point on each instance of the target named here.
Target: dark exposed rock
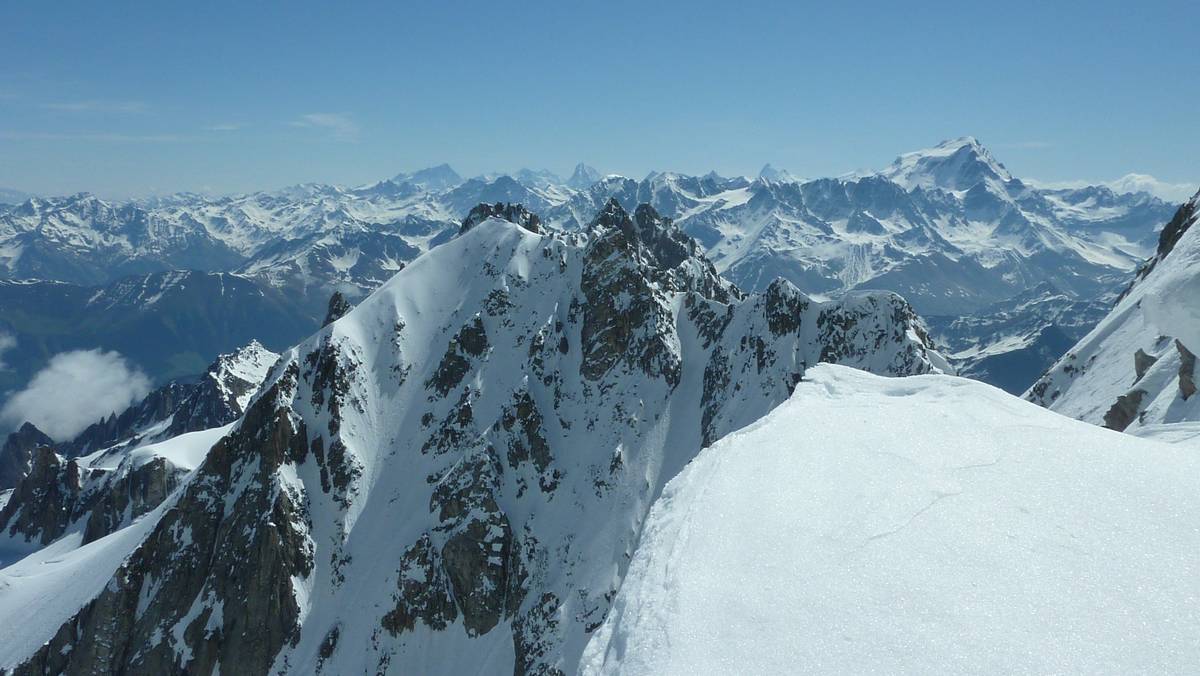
(16, 456)
(470, 341)
(527, 442)
(338, 307)
(1142, 363)
(513, 213)
(480, 556)
(1124, 410)
(532, 636)
(424, 591)
(627, 267)
(130, 495)
(44, 502)
(784, 306)
(1171, 233)
(1187, 371)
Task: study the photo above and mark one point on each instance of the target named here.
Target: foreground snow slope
(928, 524)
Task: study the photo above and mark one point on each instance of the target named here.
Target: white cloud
(75, 390)
(7, 342)
(1171, 192)
(223, 127)
(341, 125)
(1176, 192)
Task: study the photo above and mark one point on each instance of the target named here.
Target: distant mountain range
(949, 228)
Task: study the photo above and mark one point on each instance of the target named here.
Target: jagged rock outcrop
(338, 307)
(1141, 363)
(1124, 410)
(513, 213)
(452, 477)
(16, 455)
(45, 501)
(1187, 371)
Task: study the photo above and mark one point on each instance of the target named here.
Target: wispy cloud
(7, 342)
(223, 127)
(102, 137)
(98, 106)
(341, 125)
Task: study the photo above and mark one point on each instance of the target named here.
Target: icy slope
(451, 477)
(919, 525)
(1137, 367)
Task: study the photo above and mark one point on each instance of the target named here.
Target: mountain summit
(433, 179)
(957, 165)
(583, 177)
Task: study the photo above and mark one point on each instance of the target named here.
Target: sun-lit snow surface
(928, 524)
(1158, 315)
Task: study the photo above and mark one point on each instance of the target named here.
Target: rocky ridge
(437, 449)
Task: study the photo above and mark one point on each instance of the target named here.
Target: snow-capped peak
(583, 177)
(956, 164)
(770, 173)
(433, 179)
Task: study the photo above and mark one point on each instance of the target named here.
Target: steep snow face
(1137, 367)
(914, 525)
(453, 476)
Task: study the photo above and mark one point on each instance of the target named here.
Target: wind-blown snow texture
(1137, 367)
(452, 477)
(916, 525)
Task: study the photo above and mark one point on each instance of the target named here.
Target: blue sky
(134, 98)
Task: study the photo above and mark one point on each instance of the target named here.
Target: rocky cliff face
(453, 476)
(16, 456)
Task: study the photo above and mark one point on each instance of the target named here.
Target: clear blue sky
(131, 98)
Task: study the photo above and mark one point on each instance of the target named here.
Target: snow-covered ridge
(915, 525)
